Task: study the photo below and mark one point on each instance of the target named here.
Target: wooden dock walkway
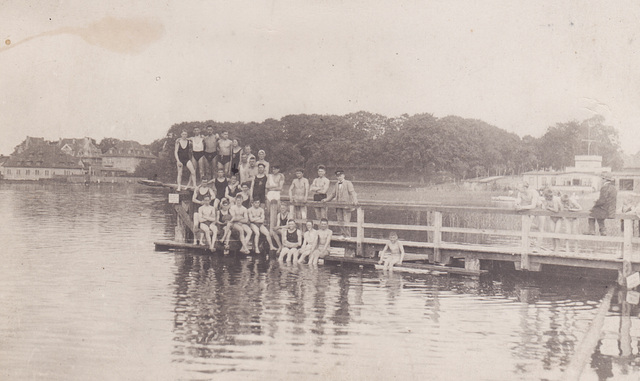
(470, 236)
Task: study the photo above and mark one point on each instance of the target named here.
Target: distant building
(84, 149)
(583, 177)
(41, 162)
(126, 155)
(30, 142)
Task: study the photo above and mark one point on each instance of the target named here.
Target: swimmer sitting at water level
(395, 255)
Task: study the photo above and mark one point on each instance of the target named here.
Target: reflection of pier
(469, 236)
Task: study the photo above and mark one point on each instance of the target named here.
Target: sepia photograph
(320, 190)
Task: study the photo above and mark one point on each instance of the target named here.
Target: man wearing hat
(605, 206)
(344, 193)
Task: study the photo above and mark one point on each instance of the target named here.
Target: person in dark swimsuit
(183, 159)
(259, 186)
(220, 184)
(291, 240)
(246, 195)
(281, 223)
(210, 151)
(233, 188)
(236, 151)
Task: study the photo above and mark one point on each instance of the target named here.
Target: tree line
(416, 148)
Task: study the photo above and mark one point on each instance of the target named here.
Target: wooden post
(437, 236)
(273, 213)
(627, 252)
(524, 258)
(359, 230)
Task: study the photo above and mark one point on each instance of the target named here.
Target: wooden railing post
(526, 227)
(359, 230)
(437, 236)
(627, 252)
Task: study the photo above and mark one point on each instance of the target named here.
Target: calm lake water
(85, 296)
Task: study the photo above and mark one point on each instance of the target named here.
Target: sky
(130, 70)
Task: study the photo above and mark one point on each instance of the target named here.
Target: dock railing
(503, 234)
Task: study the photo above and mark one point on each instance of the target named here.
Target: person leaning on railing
(344, 193)
(605, 206)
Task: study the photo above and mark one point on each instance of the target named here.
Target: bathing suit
(233, 192)
(223, 215)
(292, 237)
(210, 146)
(197, 147)
(224, 159)
(247, 203)
(235, 162)
(197, 155)
(283, 221)
(208, 223)
(200, 196)
(220, 188)
(259, 188)
(183, 153)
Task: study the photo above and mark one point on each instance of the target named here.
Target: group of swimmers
(236, 199)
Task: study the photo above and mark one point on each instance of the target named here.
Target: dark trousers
(592, 225)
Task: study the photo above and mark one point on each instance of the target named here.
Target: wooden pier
(468, 237)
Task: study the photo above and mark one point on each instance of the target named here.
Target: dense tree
(416, 147)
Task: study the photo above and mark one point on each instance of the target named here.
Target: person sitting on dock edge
(281, 224)
(291, 240)
(201, 192)
(343, 193)
(322, 245)
(207, 224)
(604, 207)
(257, 219)
(224, 223)
(309, 242)
(240, 223)
(395, 254)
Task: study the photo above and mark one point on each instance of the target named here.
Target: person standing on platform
(197, 150)
(224, 152)
(261, 159)
(246, 176)
(259, 186)
(210, 152)
(183, 159)
(343, 193)
(298, 192)
(605, 206)
(236, 154)
(275, 183)
(319, 188)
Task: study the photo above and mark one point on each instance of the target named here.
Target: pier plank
(415, 266)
